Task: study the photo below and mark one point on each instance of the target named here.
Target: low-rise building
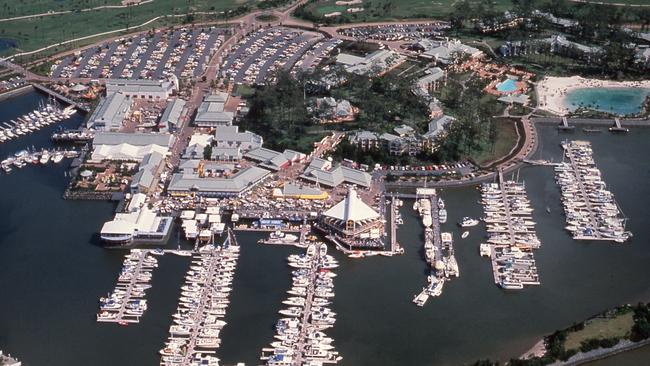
(211, 112)
(171, 117)
(145, 179)
(320, 171)
(376, 62)
(110, 113)
(230, 137)
(446, 52)
(129, 146)
(184, 184)
(365, 140)
(352, 223)
(140, 225)
(144, 89)
(274, 160)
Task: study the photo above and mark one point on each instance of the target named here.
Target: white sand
(552, 90)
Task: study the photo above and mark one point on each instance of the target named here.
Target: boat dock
(60, 97)
(300, 339)
(591, 211)
(72, 136)
(195, 333)
(511, 234)
(126, 304)
(565, 125)
(394, 245)
(301, 241)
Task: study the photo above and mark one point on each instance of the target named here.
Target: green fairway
(396, 9)
(31, 34)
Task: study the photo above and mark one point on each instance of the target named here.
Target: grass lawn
(396, 9)
(38, 32)
(505, 141)
(600, 328)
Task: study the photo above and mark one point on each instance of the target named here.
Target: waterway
(619, 101)
(52, 271)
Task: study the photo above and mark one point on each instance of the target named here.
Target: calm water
(508, 85)
(620, 101)
(52, 271)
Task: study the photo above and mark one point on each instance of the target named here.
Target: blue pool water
(507, 86)
(619, 101)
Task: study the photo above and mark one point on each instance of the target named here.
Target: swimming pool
(507, 86)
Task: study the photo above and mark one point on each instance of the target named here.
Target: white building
(144, 89)
(129, 146)
(137, 225)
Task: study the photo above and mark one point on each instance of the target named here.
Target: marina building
(144, 180)
(320, 171)
(144, 89)
(111, 111)
(139, 225)
(170, 118)
(184, 184)
(299, 191)
(129, 146)
(352, 222)
(230, 137)
(274, 160)
(211, 112)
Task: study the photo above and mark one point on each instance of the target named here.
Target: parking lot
(396, 32)
(319, 52)
(182, 52)
(256, 57)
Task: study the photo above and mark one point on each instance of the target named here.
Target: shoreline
(552, 90)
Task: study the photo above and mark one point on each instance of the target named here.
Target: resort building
(320, 171)
(352, 223)
(561, 45)
(446, 52)
(330, 110)
(211, 112)
(129, 146)
(144, 89)
(365, 140)
(430, 82)
(184, 184)
(139, 225)
(437, 129)
(377, 62)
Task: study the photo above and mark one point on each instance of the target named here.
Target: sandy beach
(551, 91)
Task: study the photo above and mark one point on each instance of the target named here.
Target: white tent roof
(351, 208)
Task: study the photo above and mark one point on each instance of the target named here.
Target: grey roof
(138, 86)
(230, 135)
(363, 136)
(389, 137)
(560, 40)
(362, 65)
(293, 189)
(438, 125)
(404, 130)
(318, 163)
(110, 111)
(229, 152)
(149, 165)
(337, 176)
(236, 184)
(173, 112)
(268, 158)
(135, 139)
(445, 51)
(211, 110)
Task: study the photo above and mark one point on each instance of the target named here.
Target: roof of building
(268, 158)
(211, 110)
(362, 65)
(139, 86)
(389, 137)
(143, 220)
(228, 135)
(404, 130)
(336, 176)
(352, 208)
(135, 139)
(363, 136)
(173, 111)
(110, 111)
(438, 125)
(446, 51)
(234, 184)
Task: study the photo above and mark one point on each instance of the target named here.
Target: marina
(45, 115)
(194, 335)
(438, 247)
(511, 234)
(300, 337)
(591, 210)
(126, 304)
(23, 158)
